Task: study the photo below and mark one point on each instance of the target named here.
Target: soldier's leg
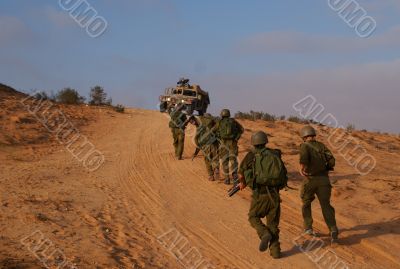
(324, 197)
(273, 217)
(234, 152)
(220, 156)
(256, 212)
(213, 156)
(175, 140)
(215, 159)
(208, 160)
(307, 194)
(181, 143)
(224, 155)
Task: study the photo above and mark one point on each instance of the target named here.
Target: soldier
(207, 141)
(217, 146)
(229, 132)
(264, 171)
(316, 160)
(178, 124)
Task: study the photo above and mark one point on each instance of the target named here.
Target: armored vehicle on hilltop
(192, 97)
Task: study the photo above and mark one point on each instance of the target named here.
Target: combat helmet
(225, 113)
(259, 138)
(307, 131)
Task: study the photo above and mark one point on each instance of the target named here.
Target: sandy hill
(128, 213)
(7, 91)
(21, 117)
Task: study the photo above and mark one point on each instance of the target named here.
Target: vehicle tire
(189, 110)
(163, 107)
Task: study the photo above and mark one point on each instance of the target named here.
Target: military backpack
(228, 129)
(269, 169)
(178, 120)
(322, 156)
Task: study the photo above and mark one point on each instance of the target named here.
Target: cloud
(13, 32)
(167, 6)
(366, 95)
(297, 42)
(381, 5)
(59, 18)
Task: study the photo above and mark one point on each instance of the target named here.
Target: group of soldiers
(262, 169)
(216, 137)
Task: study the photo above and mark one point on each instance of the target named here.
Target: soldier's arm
(304, 159)
(244, 165)
(240, 128)
(215, 128)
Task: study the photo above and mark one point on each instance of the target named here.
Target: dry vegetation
(111, 218)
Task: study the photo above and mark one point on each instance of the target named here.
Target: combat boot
(211, 178)
(265, 242)
(235, 179)
(275, 253)
(310, 232)
(216, 173)
(334, 237)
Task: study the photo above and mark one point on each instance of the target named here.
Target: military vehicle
(192, 97)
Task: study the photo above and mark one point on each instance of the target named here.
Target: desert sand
(144, 209)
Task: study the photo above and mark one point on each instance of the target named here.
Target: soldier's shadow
(295, 176)
(305, 246)
(338, 177)
(361, 232)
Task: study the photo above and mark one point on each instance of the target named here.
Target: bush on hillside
(69, 96)
(255, 115)
(98, 97)
(298, 120)
(119, 108)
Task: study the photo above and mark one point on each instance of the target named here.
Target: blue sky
(260, 55)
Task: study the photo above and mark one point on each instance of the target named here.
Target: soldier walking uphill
(207, 141)
(264, 171)
(229, 131)
(316, 160)
(178, 124)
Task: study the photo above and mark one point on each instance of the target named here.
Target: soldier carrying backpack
(229, 132)
(177, 124)
(316, 160)
(207, 141)
(264, 171)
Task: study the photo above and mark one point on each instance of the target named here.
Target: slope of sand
(128, 213)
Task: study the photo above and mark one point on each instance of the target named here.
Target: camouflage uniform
(228, 150)
(263, 204)
(177, 125)
(207, 141)
(316, 183)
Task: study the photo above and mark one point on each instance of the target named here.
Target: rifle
(195, 153)
(232, 191)
(186, 122)
(287, 187)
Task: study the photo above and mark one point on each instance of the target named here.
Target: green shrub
(119, 108)
(298, 120)
(69, 96)
(41, 95)
(255, 115)
(98, 97)
(350, 127)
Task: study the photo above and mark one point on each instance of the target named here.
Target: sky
(249, 55)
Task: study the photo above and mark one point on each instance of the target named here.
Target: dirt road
(129, 213)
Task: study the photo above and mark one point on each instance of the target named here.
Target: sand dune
(129, 212)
